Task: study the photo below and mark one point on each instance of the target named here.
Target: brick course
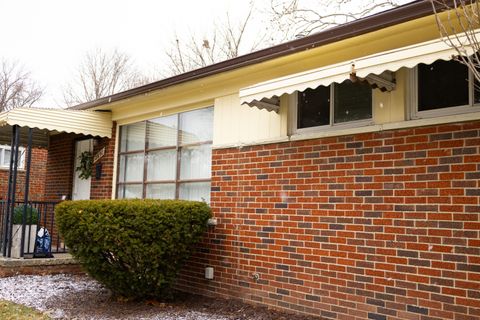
(37, 178)
(102, 188)
(369, 226)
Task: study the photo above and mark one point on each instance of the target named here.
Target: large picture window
(334, 105)
(442, 88)
(167, 157)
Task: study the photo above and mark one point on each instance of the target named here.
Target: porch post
(12, 186)
(6, 219)
(14, 150)
(26, 193)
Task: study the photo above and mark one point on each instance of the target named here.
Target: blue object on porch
(43, 244)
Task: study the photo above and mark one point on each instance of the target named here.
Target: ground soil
(80, 297)
(102, 305)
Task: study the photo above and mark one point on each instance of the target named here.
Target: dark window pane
(314, 107)
(352, 101)
(442, 84)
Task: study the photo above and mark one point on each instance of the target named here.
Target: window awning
(44, 121)
(368, 68)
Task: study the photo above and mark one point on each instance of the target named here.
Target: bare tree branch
(287, 19)
(295, 18)
(17, 89)
(458, 29)
(102, 74)
(226, 41)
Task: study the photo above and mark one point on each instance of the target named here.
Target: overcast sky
(50, 37)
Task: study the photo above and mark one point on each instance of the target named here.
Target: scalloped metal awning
(376, 69)
(50, 121)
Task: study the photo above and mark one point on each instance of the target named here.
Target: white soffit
(392, 60)
(97, 124)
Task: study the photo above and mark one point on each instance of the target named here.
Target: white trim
(350, 131)
(115, 162)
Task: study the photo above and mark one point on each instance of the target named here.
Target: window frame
(413, 99)
(177, 181)
(293, 101)
(21, 158)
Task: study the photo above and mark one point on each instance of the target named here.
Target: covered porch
(23, 132)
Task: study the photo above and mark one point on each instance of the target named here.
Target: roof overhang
(396, 16)
(46, 121)
(373, 68)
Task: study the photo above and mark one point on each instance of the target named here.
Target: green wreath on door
(85, 166)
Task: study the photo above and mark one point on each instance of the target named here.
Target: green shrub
(134, 247)
(31, 217)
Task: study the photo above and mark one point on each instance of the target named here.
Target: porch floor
(60, 263)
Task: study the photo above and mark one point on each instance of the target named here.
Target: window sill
(464, 117)
(444, 112)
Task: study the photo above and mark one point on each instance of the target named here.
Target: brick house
(343, 170)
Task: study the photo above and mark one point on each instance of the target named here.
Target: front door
(81, 187)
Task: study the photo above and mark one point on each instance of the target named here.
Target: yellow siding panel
(236, 124)
(391, 106)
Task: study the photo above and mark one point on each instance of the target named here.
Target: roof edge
(384, 19)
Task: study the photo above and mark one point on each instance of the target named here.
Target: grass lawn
(12, 311)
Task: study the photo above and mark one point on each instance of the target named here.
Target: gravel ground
(80, 297)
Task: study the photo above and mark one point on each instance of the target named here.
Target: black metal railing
(46, 219)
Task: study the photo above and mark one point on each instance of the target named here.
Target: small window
(314, 107)
(352, 102)
(442, 84)
(442, 88)
(5, 157)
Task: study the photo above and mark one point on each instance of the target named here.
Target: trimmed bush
(31, 217)
(134, 247)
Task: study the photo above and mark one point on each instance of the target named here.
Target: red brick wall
(369, 226)
(60, 166)
(37, 178)
(102, 188)
(39, 269)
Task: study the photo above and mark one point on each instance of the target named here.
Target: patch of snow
(41, 292)
(35, 291)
